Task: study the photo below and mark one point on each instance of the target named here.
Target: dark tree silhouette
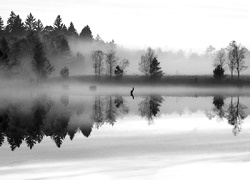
(40, 63)
(86, 127)
(15, 26)
(218, 109)
(218, 72)
(72, 130)
(71, 30)
(14, 125)
(64, 30)
(86, 33)
(57, 126)
(155, 69)
(10, 22)
(150, 106)
(30, 23)
(39, 26)
(58, 25)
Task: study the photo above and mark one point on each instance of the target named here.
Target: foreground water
(65, 135)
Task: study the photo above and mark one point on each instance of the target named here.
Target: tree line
(31, 39)
(16, 27)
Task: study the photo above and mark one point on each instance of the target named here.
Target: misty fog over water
(56, 127)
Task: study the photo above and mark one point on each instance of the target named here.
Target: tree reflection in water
(108, 109)
(19, 124)
(150, 106)
(30, 122)
(234, 112)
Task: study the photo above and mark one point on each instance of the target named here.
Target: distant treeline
(30, 45)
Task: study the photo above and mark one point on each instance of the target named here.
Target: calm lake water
(72, 135)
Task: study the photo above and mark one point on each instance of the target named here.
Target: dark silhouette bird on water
(131, 93)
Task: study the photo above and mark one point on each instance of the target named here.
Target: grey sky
(167, 24)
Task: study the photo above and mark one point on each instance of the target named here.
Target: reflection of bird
(131, 93)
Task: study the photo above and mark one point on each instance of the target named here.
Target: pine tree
(18, 26)
(72, 30)
(39, 26)
(58, 25)
(218, 72)
(86, 33)
(15, 26)
(155, 69)
(1, 25)
(10, 22)
(40, 63)
(30, 23)
(64, 30)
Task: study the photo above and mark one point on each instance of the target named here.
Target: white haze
(185, 24)
(172, 62)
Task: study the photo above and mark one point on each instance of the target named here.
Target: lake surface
(71, 135)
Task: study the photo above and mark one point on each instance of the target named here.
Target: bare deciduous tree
(236, 56)
(220, 58)
(146, 59)
(97, 58)
(124, 65)
(111, 61)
